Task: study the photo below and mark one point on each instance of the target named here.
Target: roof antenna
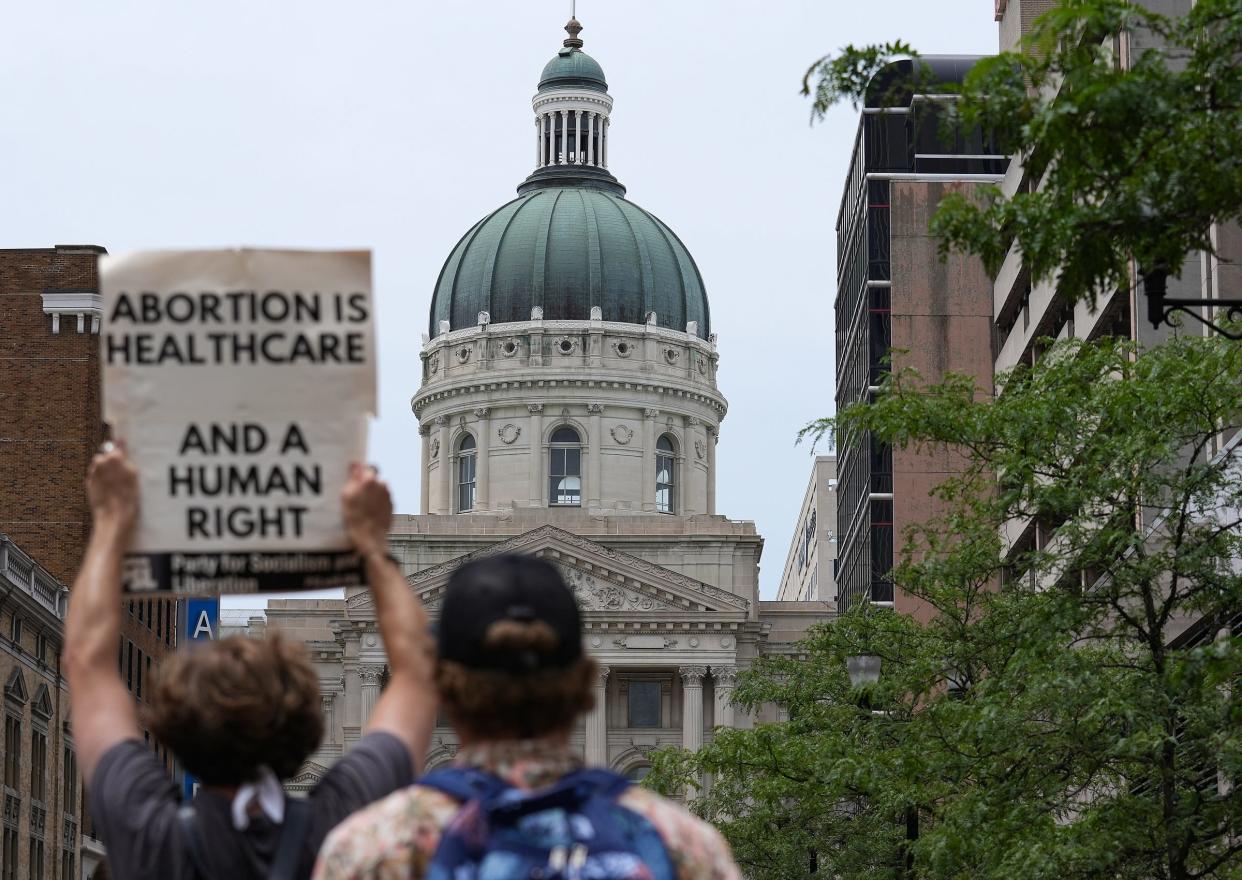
(573, 28)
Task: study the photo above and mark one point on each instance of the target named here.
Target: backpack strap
(568, 792)
(604, 783)
(292, 836)
(464, 783)
(187, 818)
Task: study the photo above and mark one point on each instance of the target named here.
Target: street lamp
(864, 669)
(1160, 306)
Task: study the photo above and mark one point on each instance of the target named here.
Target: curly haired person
(240, 714)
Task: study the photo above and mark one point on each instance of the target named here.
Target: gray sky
(396, 126)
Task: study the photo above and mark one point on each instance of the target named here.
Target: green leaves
(1119, 164)
(1069, 710)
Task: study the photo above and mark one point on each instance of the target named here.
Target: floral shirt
(396, 838)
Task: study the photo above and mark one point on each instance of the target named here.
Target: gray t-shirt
(135, 804)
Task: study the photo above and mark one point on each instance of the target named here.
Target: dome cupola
(571, 246)
(573, 68)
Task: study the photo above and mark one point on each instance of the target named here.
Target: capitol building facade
(568, 408)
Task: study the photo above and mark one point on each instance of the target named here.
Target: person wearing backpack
(240, 714)
(518, 802)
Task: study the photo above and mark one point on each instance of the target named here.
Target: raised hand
(366, 507)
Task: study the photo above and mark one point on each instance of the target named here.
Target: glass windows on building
(881, 550)
(12, 751)
(565, 468)
(637, 774)
(644, 704)
(36, 859)
(666, 474)
(10, 852)
(467, 462)
(38, 765)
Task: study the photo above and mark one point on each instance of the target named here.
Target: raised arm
(102, 711)
(407, 708)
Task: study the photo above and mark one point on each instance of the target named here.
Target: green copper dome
(573, 68)
(567, 249)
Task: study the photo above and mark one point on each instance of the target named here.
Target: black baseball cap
(507, 587)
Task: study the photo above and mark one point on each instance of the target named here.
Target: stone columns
(425, 489)
(603, 141)
(712, 435)
(563, 158)
(327, 701)
(649, 464)
(446, 466)
(369, 677)
(724, 679)
(597, 724)
(578, 138)
(536, 454)
(591, 138)
(595, 454)
(692, 706)
(693, 477)
(483, 448)
(538, 138)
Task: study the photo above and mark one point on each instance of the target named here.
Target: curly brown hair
(227, 708)
(493, 704)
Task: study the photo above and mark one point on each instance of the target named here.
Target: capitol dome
(571, 244)
(566, 249)
(570, 368)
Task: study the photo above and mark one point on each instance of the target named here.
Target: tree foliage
(1073, 709)
(1133, 162)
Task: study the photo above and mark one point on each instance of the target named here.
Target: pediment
(604, 580)
(310, 774)
(42, 705)
(15, 687)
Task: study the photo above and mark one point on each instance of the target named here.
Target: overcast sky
(395, 126)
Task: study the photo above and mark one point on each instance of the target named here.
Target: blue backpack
(574, 830)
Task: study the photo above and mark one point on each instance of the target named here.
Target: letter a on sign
(201, 621)
(202, 629)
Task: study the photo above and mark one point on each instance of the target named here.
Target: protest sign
(241, 382)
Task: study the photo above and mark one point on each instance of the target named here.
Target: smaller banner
(242, 383)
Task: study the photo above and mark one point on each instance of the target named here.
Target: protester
(240, 714)
(513, 679)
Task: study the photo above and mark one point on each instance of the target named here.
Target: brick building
(51, 422)
(896, 297)
(39, 830)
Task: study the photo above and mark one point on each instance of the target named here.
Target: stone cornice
(28, 580)
(84, 305)
(662, 388)
(612, 328)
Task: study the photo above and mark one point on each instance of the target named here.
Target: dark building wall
(941, 323)
(51, 423)
(894, 293)
(50, 415)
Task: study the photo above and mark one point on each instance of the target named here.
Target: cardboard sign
(241, 382)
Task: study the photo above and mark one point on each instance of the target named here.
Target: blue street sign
(201, 623)
(202, 620)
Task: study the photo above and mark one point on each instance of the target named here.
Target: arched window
(666, 474)
(638, 773)
(565, 469)
(466, 461)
